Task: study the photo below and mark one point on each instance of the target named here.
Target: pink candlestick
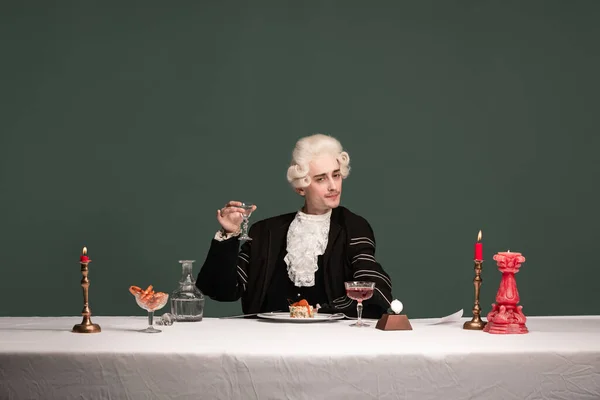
(506, 317)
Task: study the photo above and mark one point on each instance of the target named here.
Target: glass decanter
(187, 301)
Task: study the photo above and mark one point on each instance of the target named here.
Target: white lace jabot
(306, 241)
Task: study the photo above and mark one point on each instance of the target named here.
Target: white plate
(283, 316)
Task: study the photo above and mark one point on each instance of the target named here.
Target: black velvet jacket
(230, 273)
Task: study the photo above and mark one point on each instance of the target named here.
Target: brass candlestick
(86, 325)
(476, 323)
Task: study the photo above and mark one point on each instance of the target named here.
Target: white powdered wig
(307, 149)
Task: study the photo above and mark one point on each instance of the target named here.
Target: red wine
(359, 293)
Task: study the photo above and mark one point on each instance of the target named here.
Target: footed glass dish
(151, 302)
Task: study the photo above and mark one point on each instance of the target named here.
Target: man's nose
(332, 185)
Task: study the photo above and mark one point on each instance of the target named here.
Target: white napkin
(450, 318)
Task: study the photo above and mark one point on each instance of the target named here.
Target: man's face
(325, 188)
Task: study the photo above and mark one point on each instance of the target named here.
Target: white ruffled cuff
(221, 235)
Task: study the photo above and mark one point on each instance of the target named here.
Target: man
(308, 254)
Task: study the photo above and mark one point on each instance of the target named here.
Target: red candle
(479, 248)
(84, 258)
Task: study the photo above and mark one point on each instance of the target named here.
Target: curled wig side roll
(344, 160)
(297, 175)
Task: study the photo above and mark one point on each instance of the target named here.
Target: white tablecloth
(257, 359)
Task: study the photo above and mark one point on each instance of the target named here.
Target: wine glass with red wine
(359, 291)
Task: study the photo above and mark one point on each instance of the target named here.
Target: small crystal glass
(166, 319)
(359, 291)
(247, 207)
(151, 304)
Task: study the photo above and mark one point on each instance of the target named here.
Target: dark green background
(124, 127)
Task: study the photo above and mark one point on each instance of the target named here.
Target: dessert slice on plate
(301, 309)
